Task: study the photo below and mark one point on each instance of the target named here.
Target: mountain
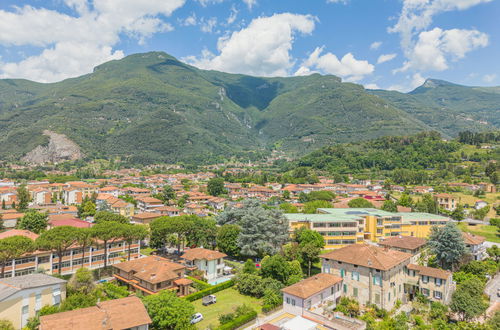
(151, 107)
(449, 108)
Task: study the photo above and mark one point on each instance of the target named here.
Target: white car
(198, 317)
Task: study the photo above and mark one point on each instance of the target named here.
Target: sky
(388, 44)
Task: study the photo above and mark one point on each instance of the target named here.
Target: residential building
(480, 204)
(435, 284)
(10, 218)
(344, 226)
(152, 274)
(447, 201)
(408, 244)
(167, 211)
(371, 275)
(145, 217)
(475, 244)
(22, 297)
(210, 262)
(312, 291)
(148, 204)
(71, 260)
(119, 314)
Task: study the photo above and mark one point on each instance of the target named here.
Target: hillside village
(362, 254)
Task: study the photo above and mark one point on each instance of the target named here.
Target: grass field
(490, 232)
(227, 301)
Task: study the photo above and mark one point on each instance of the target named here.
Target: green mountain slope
(151, 107)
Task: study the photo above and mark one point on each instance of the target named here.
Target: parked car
(198, 317)
(207, 300)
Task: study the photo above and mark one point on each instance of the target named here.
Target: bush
(211, 290)
(200, 285)
(239, 321)
(114, 291)
(226, 318)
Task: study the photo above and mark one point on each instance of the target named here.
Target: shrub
(114, 291)
(199, 285)
(239, 321)
(226, 318)
(211, 290)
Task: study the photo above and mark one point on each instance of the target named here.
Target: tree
(310, 244)
(312, 206)
(215, 186)
(447, 244)
(77, 301)
(494, 252)
(288, 208)
(227, 239)
(263, 231)
(23, 197)
(275, 267)
(467, 301)
(481, 213)
(249, 267)
(86, 209)
(13, 247)
(1, 222)
(107, 232)
(82, 281)
(168, 194)
(360, 203)
(390, 206)
(34, 221)
(58, 239)
(106, 216)
(427, 204)
(3, 204)
(167, 311)
(494, 321)
(6, 325)
(133, 233)
(286, 194)
(405, 200)
(458, 213)
(84, 238)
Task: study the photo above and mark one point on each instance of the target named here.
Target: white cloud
(209, 25)
(73, 45)
(250, 3)
(416, 16)
(386, 58)
(337, 1)
(375, 45)
(416, 80)
(347, 67)
(371, 86)
(262, 48)
(190, 20)
(489, 77)
(205, 3)
(434, 48)
(232, 16)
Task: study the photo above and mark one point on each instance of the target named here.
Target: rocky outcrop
(60, 148)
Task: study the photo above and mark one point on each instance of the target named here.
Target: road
(492, 288)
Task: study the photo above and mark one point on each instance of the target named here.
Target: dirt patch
(60, 148)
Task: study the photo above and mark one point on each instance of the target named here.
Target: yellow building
(21, 297)
(342, 227)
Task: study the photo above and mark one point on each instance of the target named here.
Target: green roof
(420, 216)
(319, 217)
(359, 212)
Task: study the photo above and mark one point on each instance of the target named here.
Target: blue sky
(390, 44)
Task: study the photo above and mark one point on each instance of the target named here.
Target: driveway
(492, 288)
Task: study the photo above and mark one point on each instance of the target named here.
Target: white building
(210, 262)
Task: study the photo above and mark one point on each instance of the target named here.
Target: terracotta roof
(18, 232)
(368, 256)
(12, 216)
(146, 215)
(201, 253)
(312, 285)
(404, 242)
(149, 200)
(429, 271)
(123, 313)
(183, 281)
(152, 269)
(472, 239)
(70, 222)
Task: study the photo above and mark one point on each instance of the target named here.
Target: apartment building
(446, 201)
(152, 274)
(408, 244)
(371, 275)
(22, 297)
(210, 262)
(475, 244)
(124, 313)
(148, 204)
(382, 276)
(72, 258)
(345, 226)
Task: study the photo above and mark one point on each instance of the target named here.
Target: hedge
(202, 284)
(205, 292)
(239, 321)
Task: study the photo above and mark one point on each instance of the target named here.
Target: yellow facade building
(342, 227)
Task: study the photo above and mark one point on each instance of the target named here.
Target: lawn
(490, 232)
(227, 301)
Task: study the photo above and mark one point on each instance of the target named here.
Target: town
(181, 249)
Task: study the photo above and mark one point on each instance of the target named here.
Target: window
(288, 300)
(43, 260)
(56, 296)
(389, 296)
(355, 276)
(332, 290)
(425, 292)
(377, 298)
(438, 281)
(293, 302)
(38, 302)
(342, 272)
(425, 279)
(377, 280)
(355, 292)
(345, 288)
(438, 295)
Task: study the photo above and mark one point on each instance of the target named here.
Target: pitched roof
(368, 256)
(312, 285)
(404, 242)
(11, 285)
(472, 239)
(152, 269)
(123, 313)
(201, 253)
(18, 232)
(429, 271)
